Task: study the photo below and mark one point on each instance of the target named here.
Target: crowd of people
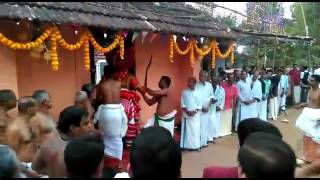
(214, 106)
(91, 136)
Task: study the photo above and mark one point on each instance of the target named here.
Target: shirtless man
(111, 117)
(309, 120)
(22, 136)
(49, 159)
(165, 113)
(44, 121)
(8, 101)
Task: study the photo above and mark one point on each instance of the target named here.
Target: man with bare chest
(73, 122)
(44, 121)
(165, 113)
(22, 136)
(111, 116)
(309, 122)
(8, 101)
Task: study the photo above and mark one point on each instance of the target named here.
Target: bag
(305, 78)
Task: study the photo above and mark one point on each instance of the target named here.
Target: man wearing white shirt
(190, 124)
(317, 71)
(216, 109)
(256, 90)
(248, 108)
(205, 94)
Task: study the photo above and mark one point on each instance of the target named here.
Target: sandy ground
(224, 151)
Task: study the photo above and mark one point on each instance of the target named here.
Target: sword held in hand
(146, 73)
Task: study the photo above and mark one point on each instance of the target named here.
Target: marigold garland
(56, 38)
(86, 54)
(66, 45)
(232, 56)
(102, 49)
(26, 46)
(189, 46)
(54, 53)
(121, 44)
(171, 44)
(204, 52)
(226, 54)
(213, 56)
(192, 46)
(192, 53)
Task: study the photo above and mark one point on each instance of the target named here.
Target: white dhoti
(282, 102)
(190, 132)
(113, 123)
(297, 94)
(226, 122)
(273, 108)
(166, 121)
(218, 123)
(212, 127)
(263, 106)
(237, 116)
(248, 111)
(204, 124)
(309, 123)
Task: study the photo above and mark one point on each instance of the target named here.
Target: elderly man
(44, 120)
(190, 128)
(82, 100)
(206, 96)
(8, 101)
(248, 97)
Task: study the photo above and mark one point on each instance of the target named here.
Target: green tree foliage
(296, 27)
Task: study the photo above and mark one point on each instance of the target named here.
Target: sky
(241, 7)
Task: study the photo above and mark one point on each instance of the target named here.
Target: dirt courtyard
(224, 151)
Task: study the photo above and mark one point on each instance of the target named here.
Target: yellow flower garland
(54, 54)
(204, 52)
(213, 55)
(171, 44)
(226, 54)
(66, 45)
(56, 37)
(192, 46)
(26, 46)
(121, 44)
(102, 49)
(176, 47)
(192, 42)
(86, 54)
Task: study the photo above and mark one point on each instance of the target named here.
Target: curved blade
(146, 74)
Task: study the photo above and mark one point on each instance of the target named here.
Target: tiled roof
(138, 16)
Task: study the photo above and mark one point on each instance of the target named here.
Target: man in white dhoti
(247, 102)
(165, 114)
(263, 104)
(205, 93)
(111, 117)
(256, 90)
(309, 121)
(215, 109)
(273, 95)
(283, 91)
(230, 102)
(295, 79)
(190, 124)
